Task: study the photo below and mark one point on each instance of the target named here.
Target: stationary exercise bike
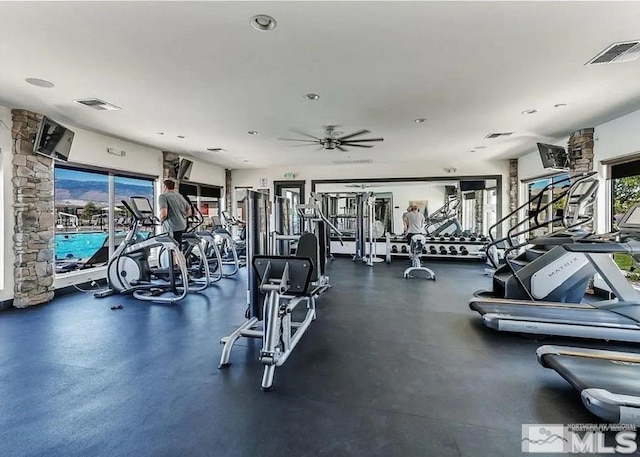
(128, 270)
(416, 246)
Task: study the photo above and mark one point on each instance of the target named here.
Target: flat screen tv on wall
(553, 156)
(53, 140)
(184, 170)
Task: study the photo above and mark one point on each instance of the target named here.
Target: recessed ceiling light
(181, 137)
(420, 120)
(252, 132)
(216, 149)
(160, 133)
(312, 96)
(263, 22)
(530, 111)
(473, 150)
(559, 105)
(40, 82)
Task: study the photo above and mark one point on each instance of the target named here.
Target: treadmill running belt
(588, 373)
(579, 316)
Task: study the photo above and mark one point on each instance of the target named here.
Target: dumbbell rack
(471, 248)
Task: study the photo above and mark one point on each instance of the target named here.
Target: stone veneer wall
(170, 165)
(228, 190)
(580, 150)
(513, 190)
(33, 209)
(479, 201)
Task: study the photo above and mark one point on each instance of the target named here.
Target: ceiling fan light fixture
(311, 97)
(263, 22)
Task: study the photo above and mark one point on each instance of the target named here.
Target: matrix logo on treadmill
(563, 266)
(619, 439)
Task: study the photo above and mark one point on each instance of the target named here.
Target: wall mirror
(474, 202)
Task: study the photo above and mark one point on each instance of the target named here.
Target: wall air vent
(618, 52)
(345, 162)
(497, 135)
(98, 104)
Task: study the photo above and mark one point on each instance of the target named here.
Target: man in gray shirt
(415, 222)
(174, 210)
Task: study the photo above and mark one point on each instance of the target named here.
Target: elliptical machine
(128, 270)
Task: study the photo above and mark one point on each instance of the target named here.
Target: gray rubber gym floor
(391, 367)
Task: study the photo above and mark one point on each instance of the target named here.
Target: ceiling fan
(363, 186)
(332, 141)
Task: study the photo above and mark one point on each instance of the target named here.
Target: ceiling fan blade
(366, 139)
(341, 148)
(297, 139)
(357, 145)
(305, 134)
(351, 135)
(302, 145)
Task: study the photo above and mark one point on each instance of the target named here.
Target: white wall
(206, 173)
(91, 149)
(6, 216)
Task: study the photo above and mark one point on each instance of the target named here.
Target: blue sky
(75, 175)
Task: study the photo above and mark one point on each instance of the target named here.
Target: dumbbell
(463, 250)
(453, 250)
(483, 238)
(432, 250)
(404, 249)
(453, 238)
(443, 250)
(424, 250)
(442, 238)
(432, 238)
(394, 249)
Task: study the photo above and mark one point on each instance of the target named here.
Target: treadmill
(617, 319)
(607, 380)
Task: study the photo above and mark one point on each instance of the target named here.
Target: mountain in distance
(97, 192)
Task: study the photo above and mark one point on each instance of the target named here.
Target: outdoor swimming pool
(78, 245)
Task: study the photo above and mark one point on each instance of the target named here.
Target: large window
(83, 238)
(546, 190)
(625, 192)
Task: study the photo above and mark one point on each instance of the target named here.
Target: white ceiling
(198, 69)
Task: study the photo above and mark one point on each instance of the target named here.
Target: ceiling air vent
(497, 135)
(98, 104)
(344, 162)
(618, 52)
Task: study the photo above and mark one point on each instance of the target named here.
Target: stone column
(513, 190)
(479, 201)
(33, 209)
(170, 165)
(580, 150)
(228, 190)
